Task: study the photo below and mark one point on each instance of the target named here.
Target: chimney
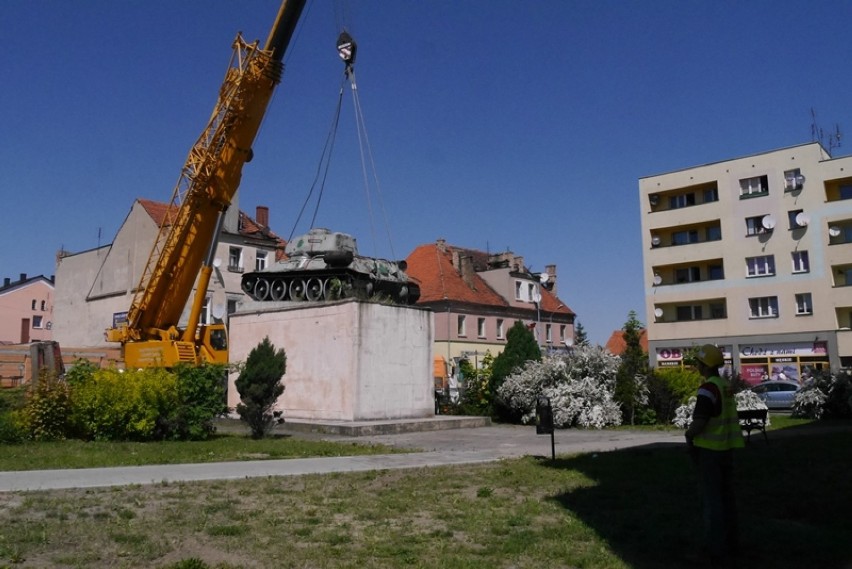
(466, 270)
(442, 245)
(23, 277)
(6, 281)
(456, 261)
(551, 280)
(53, 279)
(262, 216)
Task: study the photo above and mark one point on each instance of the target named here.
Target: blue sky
(493, 124)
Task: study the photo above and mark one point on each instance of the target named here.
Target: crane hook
(346, 48)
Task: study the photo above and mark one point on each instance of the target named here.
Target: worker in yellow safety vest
(712, 436)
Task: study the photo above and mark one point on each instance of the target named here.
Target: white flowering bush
(683, 414)
(579, 385)
(809, 403)
(745, 400)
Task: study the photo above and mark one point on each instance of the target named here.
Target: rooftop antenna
(831, 141)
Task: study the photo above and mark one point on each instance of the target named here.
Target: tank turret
(325, 265)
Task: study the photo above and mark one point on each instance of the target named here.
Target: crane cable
(325, 160)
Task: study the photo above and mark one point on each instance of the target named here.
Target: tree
(630, 381)
(521, 347)
(580, 336)
(259, 385)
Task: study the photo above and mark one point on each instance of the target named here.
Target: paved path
(440, 448)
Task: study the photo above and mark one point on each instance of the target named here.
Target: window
(801, 264)
(232, 306)
(754, 225)
(714, 233)
(804, 304)
(685, 237)
(682, 200)
(43, 304)
(750, 187)
(760, 266)
(260, 260)
(204, 317)
(792, 217)
(480, 327)
(235, 260)
(531, 292)
(461, 325)
(688, 275)
(562, 333)
(717, 310)
(500, 328)
(548, 333)
(763, 307)
(715, 272)
(688, 312)
(518, 290)
(34, 304)
(37, 321)
(711, 195)
(793, 180)
(845, 192)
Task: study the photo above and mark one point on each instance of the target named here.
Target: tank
(324, 265)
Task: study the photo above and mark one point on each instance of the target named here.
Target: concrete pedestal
(347, 360)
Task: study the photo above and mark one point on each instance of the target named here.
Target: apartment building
(754, 255)
(26, 309)
(477, 296)
(94, 288)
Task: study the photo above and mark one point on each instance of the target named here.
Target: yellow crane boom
(185, 246)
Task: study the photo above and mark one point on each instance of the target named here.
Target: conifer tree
(629, 380)
(259, 385)
(580, 337)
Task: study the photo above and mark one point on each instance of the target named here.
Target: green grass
(636, 508)
(220, 448)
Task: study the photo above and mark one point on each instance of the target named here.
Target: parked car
(777, 394)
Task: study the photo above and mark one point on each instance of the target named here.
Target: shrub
(837, 388)
(579, 385)
(259, 385)
(669, 388)
(475, 398)
(124, 405)
(201, 397)
(745, 400)
(809, 403)
(80, 371)
(47, 408)
(11, 424)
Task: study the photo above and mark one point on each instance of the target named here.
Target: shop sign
(777, 350)
(673, 355)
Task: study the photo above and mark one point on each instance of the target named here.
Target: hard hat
(710, 355)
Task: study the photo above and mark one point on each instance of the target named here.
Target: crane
(185, 246)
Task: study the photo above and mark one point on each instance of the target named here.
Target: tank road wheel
(261, 289)
(297, 289)
(279, 290)
(315, 289)
(248, 285)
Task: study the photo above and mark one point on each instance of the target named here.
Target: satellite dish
(658, 280)
(654, 199)
(655, 240)
(218, 311)
(536, 296)
(802, 219)
(658, 312)
(217, 262)
(569, 342)
(768, 222)
(834, 231)
(543, 278)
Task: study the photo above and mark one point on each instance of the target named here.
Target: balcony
(684, 197)
(687, 234)
(687, 273)
(837, 190)
(699, 310)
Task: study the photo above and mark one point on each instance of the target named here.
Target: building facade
(476, 297)
(754, 255)
(26, 309)
(95, 288)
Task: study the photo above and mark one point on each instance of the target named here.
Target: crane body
(185, 246)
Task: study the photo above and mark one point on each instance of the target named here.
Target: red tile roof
(439, 280)
(616, 344)
(248, 226)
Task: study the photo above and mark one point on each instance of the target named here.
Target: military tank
(324, 265)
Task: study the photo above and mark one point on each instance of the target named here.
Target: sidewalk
(440, 448)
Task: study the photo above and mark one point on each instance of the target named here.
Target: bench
(751, 419)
